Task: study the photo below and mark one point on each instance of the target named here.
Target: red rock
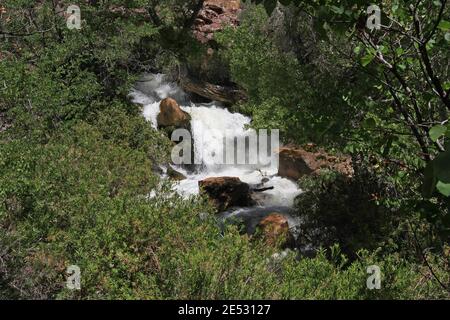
(296, 162)
(215, 15)
(226, 4)
(275, 231)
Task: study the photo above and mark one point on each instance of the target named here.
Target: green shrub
(82, 199)
(349, 211)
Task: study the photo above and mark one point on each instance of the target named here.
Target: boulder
(296, 162)
(226, 192)
(171, 115)
(174, 174)
(274, 229)
(257, 191)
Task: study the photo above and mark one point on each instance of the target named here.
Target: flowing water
(206, 120)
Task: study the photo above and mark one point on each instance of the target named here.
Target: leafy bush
(77, 185)
(83, 199)
(349, 211)
(286, 90)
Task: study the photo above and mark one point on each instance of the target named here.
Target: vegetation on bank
(77, 162)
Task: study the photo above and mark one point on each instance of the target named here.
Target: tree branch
(415, 130)
(426, 58)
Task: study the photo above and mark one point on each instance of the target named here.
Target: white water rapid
(205, 119)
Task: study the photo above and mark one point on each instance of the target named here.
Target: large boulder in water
(274, 229)
(226, 192)
(296, 162)
(171, 115)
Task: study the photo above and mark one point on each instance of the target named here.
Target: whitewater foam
(207, 120)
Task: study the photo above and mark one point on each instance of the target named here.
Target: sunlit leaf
(443, 188)
(444, 25)
(367, 59)
(437, 131)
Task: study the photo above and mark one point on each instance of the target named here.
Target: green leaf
(367, 59)
(370, 123)
(338, 10)
(399, 51)
(437, 131)
(443, 188)
(444, 25)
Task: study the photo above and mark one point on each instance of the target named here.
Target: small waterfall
(206, 120)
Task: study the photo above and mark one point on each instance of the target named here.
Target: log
(262, 189)
(224, 94)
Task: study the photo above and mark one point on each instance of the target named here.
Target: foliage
(76, 201)
(353, 212)
(387, 99)
(291, 89)
(406, 57)
(78, 183)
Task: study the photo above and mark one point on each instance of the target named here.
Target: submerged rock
(226, 192)
(297, 162)
(274, 229)
(174, 174)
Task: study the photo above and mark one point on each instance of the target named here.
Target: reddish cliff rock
(296, 162)
(215, 15)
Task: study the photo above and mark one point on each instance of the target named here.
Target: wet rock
(257, 191)
(226, 192)
(250, 217)
(275, 231)
(174, 174)
(171, 115)
(226, 94)
(296, 162)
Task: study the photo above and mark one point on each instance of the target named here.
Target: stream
(205, 118)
